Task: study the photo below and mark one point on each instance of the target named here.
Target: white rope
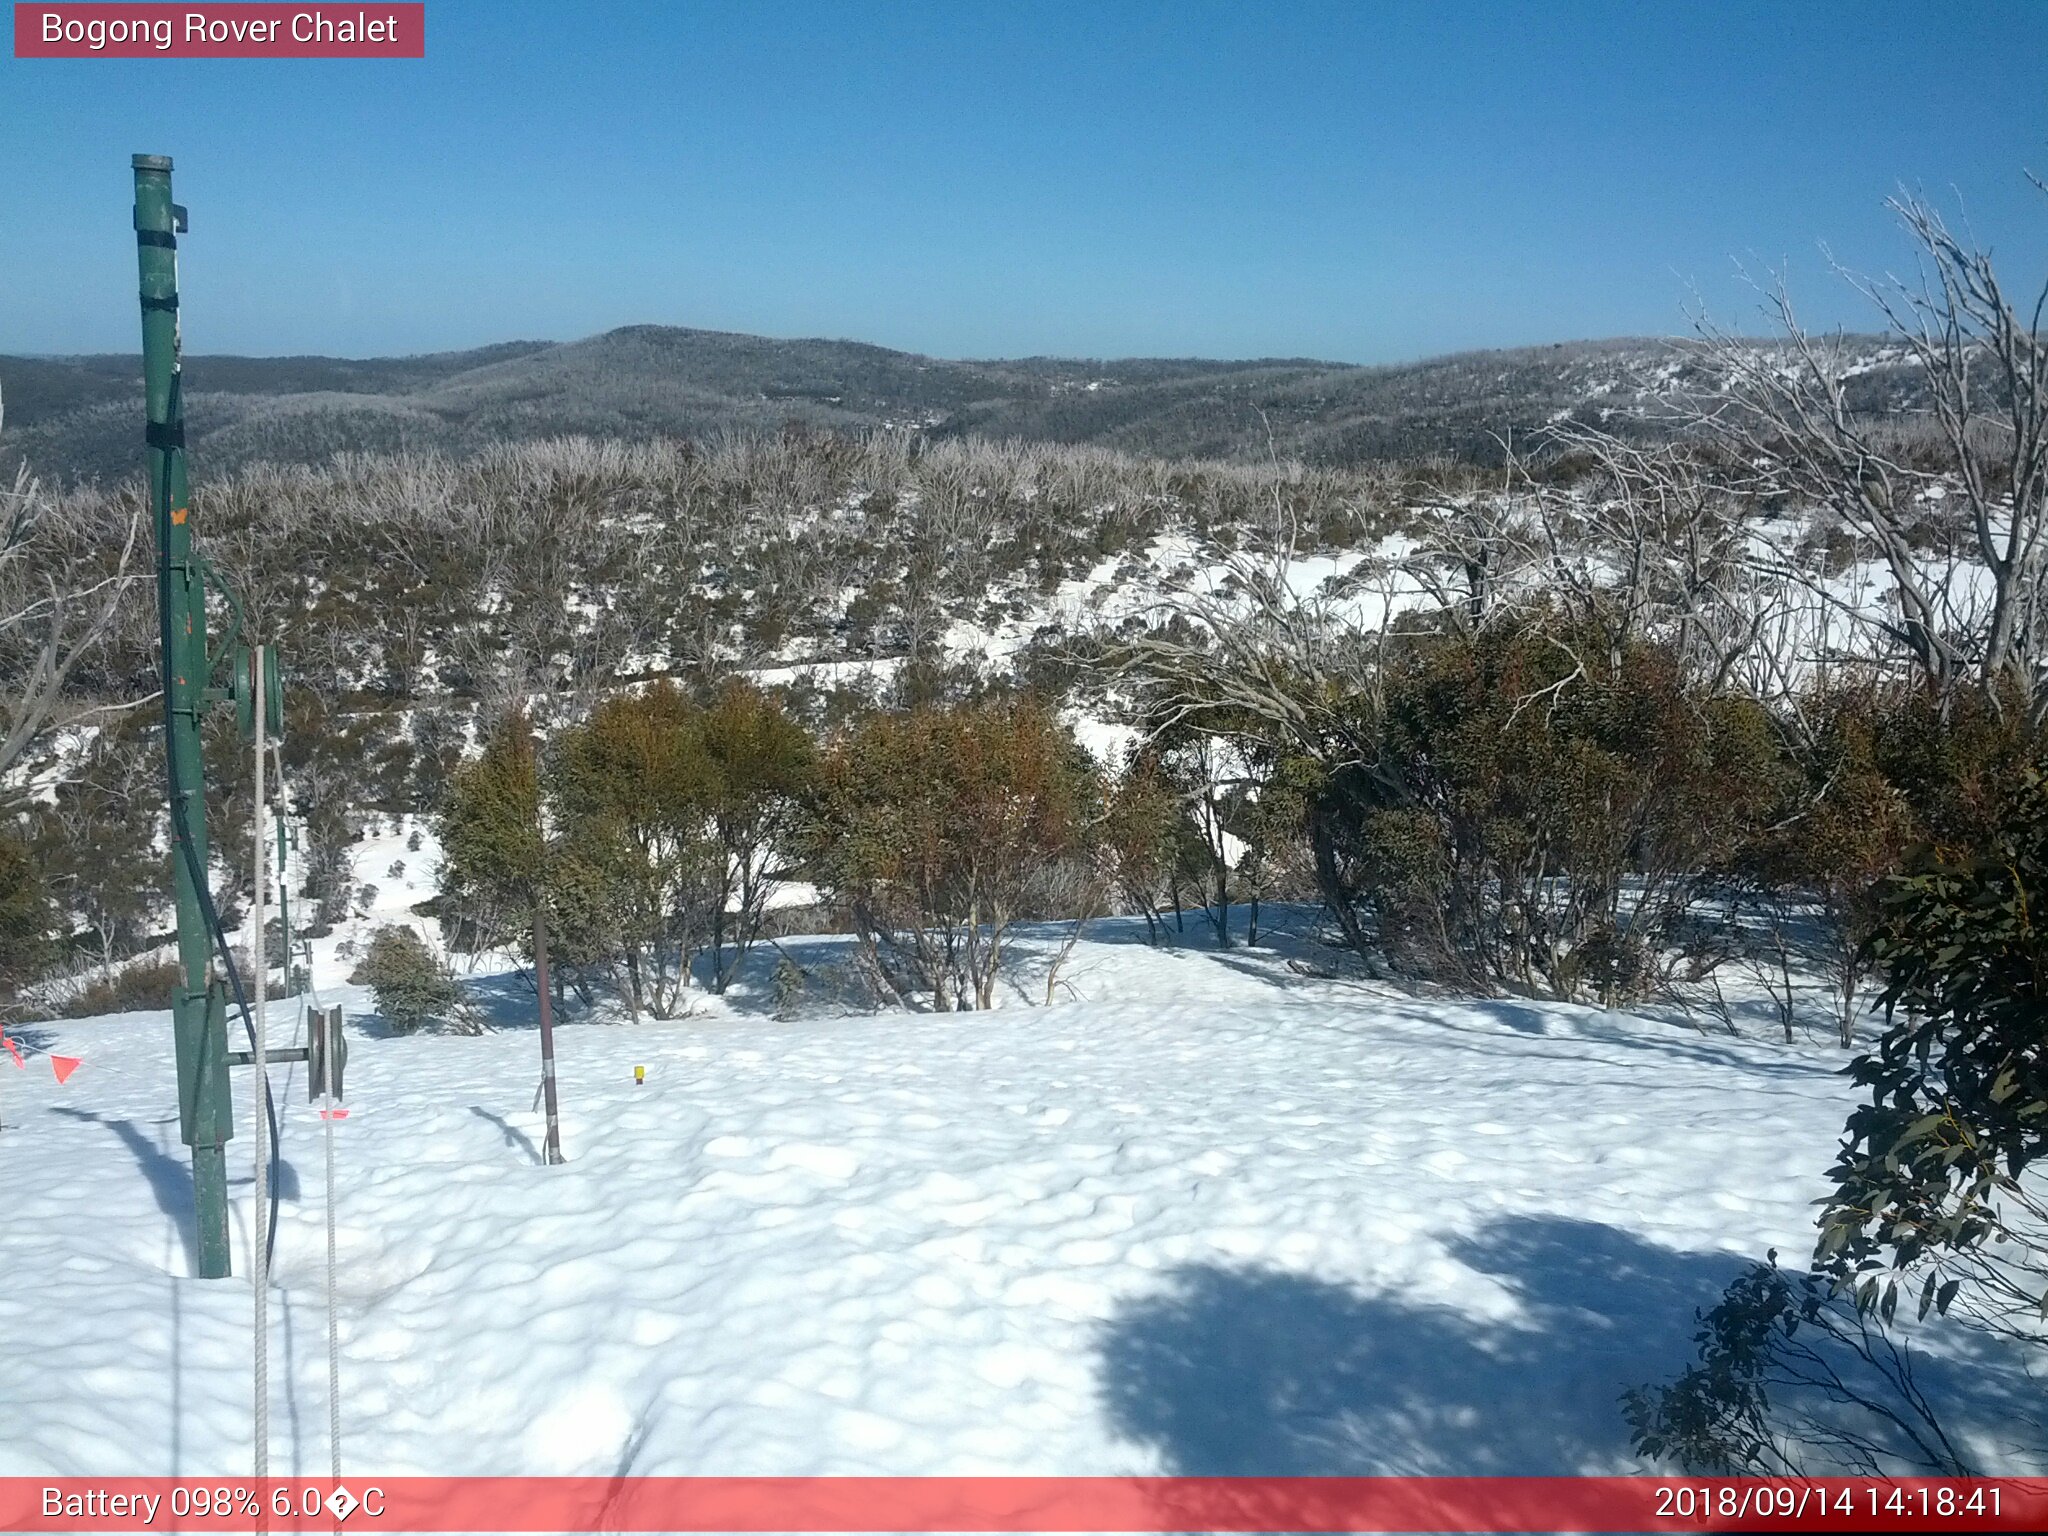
(333, 1322)
(259, 965)
(328, 1104)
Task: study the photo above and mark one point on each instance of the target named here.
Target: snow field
(1212, 1217)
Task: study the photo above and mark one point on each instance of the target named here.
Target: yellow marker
(639, 1075)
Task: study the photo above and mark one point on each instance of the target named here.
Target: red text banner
(238, 31)
(1015, 1504)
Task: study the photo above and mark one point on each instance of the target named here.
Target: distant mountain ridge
(78, 417)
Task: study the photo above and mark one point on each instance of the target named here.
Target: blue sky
(1360, 181)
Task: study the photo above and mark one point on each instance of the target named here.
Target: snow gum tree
(762, 762)
(1850, 827)
(1968, 609)
(671, 819)
(633, 789)
(25, 918)
(1140, 824)
(1538, 818)
(61, 596)
(495, 854)
(410, 982)
(936, 827)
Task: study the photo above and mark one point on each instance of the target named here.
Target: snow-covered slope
(1208, 1215)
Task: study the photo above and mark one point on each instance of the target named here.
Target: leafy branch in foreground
(1931, 1175)
(1772, 1352)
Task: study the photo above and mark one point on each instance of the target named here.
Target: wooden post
(547, 1031)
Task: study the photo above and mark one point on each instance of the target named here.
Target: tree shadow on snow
(1252, 1371)
(515, 1138)
(829, 987)
(1284, 926)
(506, 1000)
(1628, 1031)
(829, 984)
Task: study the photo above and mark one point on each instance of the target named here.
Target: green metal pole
(198, 1007)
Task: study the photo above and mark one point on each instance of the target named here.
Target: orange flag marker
(64, 1066)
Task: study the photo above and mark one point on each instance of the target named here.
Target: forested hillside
(73, 418)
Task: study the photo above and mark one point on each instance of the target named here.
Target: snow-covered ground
(1210, 1214)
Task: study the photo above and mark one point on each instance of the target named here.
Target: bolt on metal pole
(198, 1009)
